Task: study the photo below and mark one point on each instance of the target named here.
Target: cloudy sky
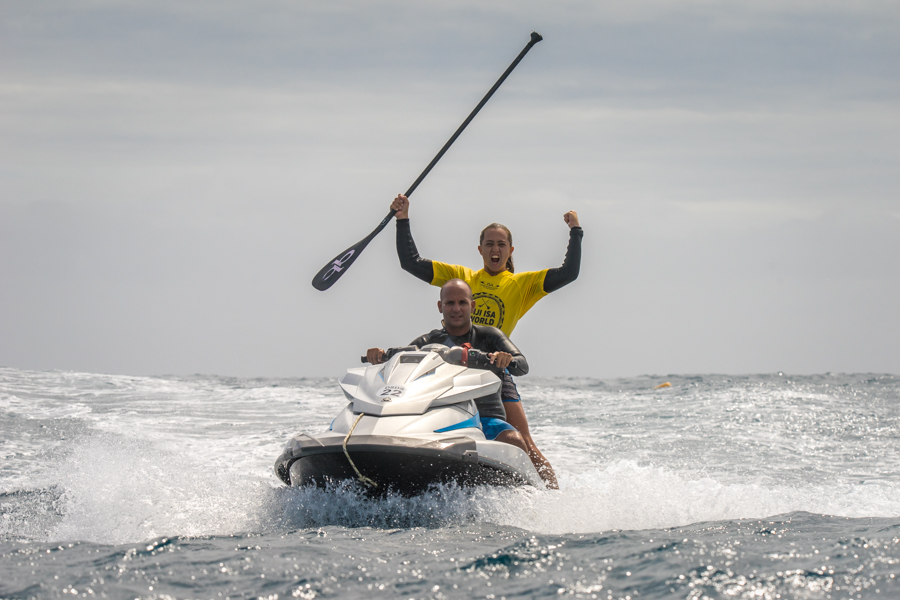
(172, 175)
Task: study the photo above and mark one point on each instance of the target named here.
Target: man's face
(456, 305)
(495, 249)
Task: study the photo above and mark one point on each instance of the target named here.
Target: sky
(172, 175)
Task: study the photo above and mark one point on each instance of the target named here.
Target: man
(456, 305)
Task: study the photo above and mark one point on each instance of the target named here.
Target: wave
(109, 489)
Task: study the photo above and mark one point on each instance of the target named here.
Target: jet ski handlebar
(457, 355)
(472, 358)
(390, 352)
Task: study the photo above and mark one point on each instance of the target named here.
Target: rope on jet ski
(361, 477)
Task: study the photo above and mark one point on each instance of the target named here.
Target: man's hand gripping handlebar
(465, 357)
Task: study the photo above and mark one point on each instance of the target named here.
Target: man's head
(456, 305)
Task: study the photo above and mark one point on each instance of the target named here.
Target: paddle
(331, 272)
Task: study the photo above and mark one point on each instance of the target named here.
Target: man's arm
(568, 272)
(410, 261)
(499, 344)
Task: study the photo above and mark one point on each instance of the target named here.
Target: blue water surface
(767, 486)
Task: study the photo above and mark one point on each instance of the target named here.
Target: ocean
(758, 487)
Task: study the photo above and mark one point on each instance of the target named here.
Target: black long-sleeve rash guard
(486, 339)
(422, 268)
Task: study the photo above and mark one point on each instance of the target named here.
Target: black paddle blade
(331, 272)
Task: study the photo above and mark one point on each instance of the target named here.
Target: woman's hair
(509, 261)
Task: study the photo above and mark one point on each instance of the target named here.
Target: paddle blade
(331, 272)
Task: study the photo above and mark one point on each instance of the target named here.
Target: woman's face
(495, 249)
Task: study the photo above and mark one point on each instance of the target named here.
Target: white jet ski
(411, 423)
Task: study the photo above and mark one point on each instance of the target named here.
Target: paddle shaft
(331, 272)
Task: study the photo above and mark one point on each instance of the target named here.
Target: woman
(502, 296)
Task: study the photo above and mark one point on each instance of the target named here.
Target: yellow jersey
(500, 300)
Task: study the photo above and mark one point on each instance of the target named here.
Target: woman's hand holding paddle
(400, 206)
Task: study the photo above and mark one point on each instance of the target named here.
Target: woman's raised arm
(410, 261)
(568, 272)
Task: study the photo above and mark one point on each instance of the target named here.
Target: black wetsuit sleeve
(568, 272)
(494, 340)
(410, 260)
(519, 365)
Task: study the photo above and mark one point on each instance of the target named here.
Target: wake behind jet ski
(412, 422)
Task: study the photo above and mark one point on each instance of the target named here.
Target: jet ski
(411, 423)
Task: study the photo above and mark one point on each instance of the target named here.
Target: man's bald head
(456, 305)
(455, 284)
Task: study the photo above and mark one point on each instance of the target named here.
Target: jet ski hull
(412, 422)
(400, 465)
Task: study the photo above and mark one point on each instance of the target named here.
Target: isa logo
(389, 392)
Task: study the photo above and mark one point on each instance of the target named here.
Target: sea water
(767, 486)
